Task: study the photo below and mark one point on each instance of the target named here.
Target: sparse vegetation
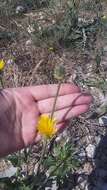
(35, 37)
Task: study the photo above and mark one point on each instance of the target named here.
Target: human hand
(30, 102)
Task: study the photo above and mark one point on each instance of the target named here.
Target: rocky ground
(28, 64)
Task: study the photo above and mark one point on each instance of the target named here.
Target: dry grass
(33, 64)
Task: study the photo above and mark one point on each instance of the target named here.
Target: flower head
(2, 64)
(47, 126)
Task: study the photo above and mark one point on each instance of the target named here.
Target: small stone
(80, 179)
(72, 78)
(87, 168)
(41, 17)
(40, 28)
(28, 42)
(30, 29)
(58, 139)
(53, 21)
(20, 9)
(103, 121)
(83, 185)
(90, 150)
(9, 172)
(82, 155)
(54, 185)
(40, 14)
(10, 61)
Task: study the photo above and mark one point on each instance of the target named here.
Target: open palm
(31, 102)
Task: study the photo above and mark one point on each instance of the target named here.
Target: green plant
(60, 163)
(66, 30)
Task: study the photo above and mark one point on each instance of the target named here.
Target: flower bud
(59, 72)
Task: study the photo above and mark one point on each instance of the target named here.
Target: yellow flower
(51, 49)
(47, 126)
(2, 64)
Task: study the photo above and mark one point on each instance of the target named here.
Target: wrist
(10, 129)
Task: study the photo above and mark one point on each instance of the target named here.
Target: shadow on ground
(98, 178)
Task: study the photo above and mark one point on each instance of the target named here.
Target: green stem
(2, 84)
(42, 155)
(52, 113)
(58, 89)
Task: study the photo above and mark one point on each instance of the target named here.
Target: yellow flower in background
(51, 49)
(47, 126)
(2, 64)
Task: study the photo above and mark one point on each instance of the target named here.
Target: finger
(67, 113)
(38, 138)
(47, 91)
(60, 126)
(69, 100)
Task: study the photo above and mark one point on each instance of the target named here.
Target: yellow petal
(47, 126)
(2, 64)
